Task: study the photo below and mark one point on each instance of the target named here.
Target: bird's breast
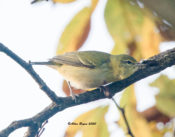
(86, 78)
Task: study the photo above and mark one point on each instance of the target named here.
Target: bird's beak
(138, 64)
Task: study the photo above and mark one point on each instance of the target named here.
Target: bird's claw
(74, 97)
(106, 92)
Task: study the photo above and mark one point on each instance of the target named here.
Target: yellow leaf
(132, 29)
(94, 124)
(165, 100)
(63, 1)
(116, 24)
(66, 89)
(140, 127)
(150, 39)
(160, 133)
(93, 4)
(137, 124)
(76, 31)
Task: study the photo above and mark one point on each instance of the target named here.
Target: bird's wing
(89, 59)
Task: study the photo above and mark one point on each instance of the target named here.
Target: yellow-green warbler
(92, 69)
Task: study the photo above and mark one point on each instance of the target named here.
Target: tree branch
(35, 1)
(148, 67)
(31, 71)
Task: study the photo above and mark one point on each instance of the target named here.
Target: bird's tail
(42, 63)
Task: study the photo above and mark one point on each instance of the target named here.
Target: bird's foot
(106, 92)
(74, 96)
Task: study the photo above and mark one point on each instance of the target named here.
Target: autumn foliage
(137, 29)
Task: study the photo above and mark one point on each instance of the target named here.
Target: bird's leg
(71, 92)
(105, 91)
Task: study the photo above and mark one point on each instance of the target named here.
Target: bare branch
(35, 1)
(31, 71)
(32, 131)
(15, 125)
(148, 67)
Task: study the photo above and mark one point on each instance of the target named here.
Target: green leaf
(132, 29)
(76, 32)
(165, 100)
(140, 127)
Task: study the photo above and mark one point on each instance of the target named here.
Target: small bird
(91, 69)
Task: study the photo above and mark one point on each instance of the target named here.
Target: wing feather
(89, 59)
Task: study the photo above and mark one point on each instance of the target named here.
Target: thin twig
(35, 1)
(41, 129)
(28, 67)
(124, 116)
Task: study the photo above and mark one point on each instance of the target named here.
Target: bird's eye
(128, 62)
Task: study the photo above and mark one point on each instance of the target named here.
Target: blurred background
(41, 30)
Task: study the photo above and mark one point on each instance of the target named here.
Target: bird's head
(127, 65)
